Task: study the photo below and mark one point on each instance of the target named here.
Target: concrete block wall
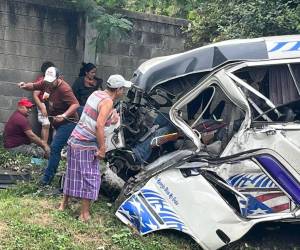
(32, 32)
(152, 36)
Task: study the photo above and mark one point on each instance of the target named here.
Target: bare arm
(70, 111)
(105, 109)
(35, 139)
(26, 86)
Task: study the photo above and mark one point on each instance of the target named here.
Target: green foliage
(108, 26)
(210, 21)
(111, 27)
(173, 8)
(36, 235)
(33, 222)
(15, 162)
(29, 219)
(218, 20)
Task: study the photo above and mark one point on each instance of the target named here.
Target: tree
(108, 24)
(218, 20)
(210, 20)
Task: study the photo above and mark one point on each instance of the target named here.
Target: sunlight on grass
(29, 219)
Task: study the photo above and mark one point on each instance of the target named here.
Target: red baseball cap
(25, 102)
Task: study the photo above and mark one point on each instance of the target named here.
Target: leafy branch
(108, 26)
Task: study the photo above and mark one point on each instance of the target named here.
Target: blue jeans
(60, 139)
(143, 150)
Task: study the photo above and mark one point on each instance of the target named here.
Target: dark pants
(60, 139)
(143, 150)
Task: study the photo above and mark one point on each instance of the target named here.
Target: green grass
(29, 219)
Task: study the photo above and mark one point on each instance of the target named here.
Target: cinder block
(128, 61)
(8, 20)
(107, 71)
(10, 47)
(15, 7)
(133, 37)
(154, 27)
(2, 30)
(16, 76)
(54, 26)
(5, 101)
(170, 42)
(36, 38)
(36, 63)
(12, 34)
(24, 63)
(118, 48)
(71, 69)
(57, 40)
(34, 10)
(58, 64)
(54, 53)
(22, 21)
(31, 50)
(17, 62)
(70, 79)
(107, 60)
(2, 49)
(151, 39)
(140, 51)
(3, 6)
(34, 23)
(72, 55)
(156, 52)
(5, 114)
(10, 61)
(129, 73)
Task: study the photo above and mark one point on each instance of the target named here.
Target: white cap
(51, 74)
(118, 81)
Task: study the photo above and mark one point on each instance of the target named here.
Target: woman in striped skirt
(86, 145)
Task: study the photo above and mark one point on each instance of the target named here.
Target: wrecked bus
(235, 158)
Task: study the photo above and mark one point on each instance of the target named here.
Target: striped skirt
(82, 178)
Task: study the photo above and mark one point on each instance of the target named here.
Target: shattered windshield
(213, 115)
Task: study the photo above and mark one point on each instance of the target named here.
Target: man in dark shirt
(62, 105)
(18, 133)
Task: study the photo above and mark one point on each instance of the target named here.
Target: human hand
(59, 118)
(47, 150)
(100, 154)
(22, 85)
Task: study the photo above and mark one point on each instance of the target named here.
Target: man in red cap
(18, 134)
